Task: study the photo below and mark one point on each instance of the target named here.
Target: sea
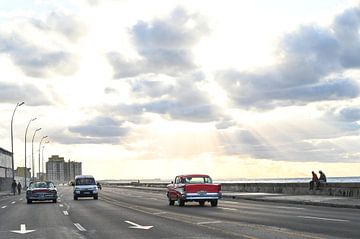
(355, 179)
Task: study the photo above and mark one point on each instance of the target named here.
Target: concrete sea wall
(328, 189)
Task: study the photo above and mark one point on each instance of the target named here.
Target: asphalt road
(129, 213)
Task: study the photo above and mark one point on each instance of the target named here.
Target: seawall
(328, 189)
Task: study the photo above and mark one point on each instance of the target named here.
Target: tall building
(58, 170)
(20, 172)
(5, 164)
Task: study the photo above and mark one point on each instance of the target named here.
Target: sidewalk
(316, 200)
(4, 194)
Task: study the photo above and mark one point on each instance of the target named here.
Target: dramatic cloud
(13, 93)
(165, 46)
(37, 48)
(312, 61)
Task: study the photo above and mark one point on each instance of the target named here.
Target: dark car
(41, 191)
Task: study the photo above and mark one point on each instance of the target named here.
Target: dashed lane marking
(209, 222)
(4, 207)
(159, 213)
(13, 202)
(79, 227)
(230, 209)
(66, 213)
(60, 205)
(20, 199)
(324, 219)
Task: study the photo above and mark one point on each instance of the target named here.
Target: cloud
(100, 130)
(164, 46)
(312, 61)
(37, 47)
(31, 95)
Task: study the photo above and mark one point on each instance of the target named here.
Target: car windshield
(85, 181)
(194, 180)
(41, 185)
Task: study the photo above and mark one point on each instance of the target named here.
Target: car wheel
(29, 201)
(171, 202)
(95, 197)
(202, 203)
(54, 201)
(75, 198)
(181, 202)
(214, 203)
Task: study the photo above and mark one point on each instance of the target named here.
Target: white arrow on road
(23, 230)
(137, 226)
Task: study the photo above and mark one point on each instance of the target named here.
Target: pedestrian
(314, 180)
(322, 178)
(19, 187)
(13, 187)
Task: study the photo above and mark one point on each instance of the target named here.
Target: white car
(85, 186)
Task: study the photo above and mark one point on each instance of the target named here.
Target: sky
(153, 89)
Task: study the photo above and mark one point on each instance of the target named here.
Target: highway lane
(126, 213)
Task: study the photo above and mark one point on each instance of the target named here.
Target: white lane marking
(66, 213)
(137, 226)
(60, 205)
(230, 209)
(159, 213)
(20, 199)
(209, 222)
(79, 227)
(230, 202)
(13, 202)
(4, 207)
(23, 230)
(325, 219)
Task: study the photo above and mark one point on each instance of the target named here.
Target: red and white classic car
(193, 188)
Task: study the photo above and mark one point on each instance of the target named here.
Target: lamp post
(42, 157)
(44, 137)
(12, 140)
(32, 154)
(27, 127)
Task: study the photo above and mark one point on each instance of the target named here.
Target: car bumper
(85, 194)
(199, 196)
(44, 197)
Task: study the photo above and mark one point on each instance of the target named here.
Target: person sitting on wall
(322, 179)
(314, 180)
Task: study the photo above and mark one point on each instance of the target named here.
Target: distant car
(193, 188)
(41, 191)
(85, 186)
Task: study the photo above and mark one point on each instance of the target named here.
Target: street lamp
(27, 127)
(32, 154)
(42, 157)
(44, 137)
(12, 140)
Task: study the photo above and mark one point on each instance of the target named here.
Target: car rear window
(194, 180)
(39, 185)
(85, 181)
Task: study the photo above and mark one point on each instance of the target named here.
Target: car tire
(202, 203)
(95, 197)
(214, 203)
(29, 201)
(75, 198)
(181, 202)
(54, 200)
(171, 202)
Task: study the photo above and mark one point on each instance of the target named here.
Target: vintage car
(41, 191)
(193, 188)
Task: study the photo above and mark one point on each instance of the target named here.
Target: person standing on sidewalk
(19, 188)
(13, 187)
(314, 180)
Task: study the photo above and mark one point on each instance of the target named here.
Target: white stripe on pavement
(78, 226)
(230, 209)
(13, 202)
(4, 207)
(66, 213)
(210, 222)
(325, 219)
(60, 205)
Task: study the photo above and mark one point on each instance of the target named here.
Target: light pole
(12, 140)
(32, 154)
(44, 137)
(27, 127)
(42, 157)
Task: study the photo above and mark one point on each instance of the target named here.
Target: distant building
(20, 172)
(5, 164)
(60, 171)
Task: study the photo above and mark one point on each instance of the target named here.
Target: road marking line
(13, 202)
(60, 205)
(230, 209)
(210, 222)
(325, 219)
(296, 208)
(20, 199)
(66, 213)
(79, 227)
(159, 213)
(4, 207)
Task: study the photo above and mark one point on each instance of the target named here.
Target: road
(130, 213)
